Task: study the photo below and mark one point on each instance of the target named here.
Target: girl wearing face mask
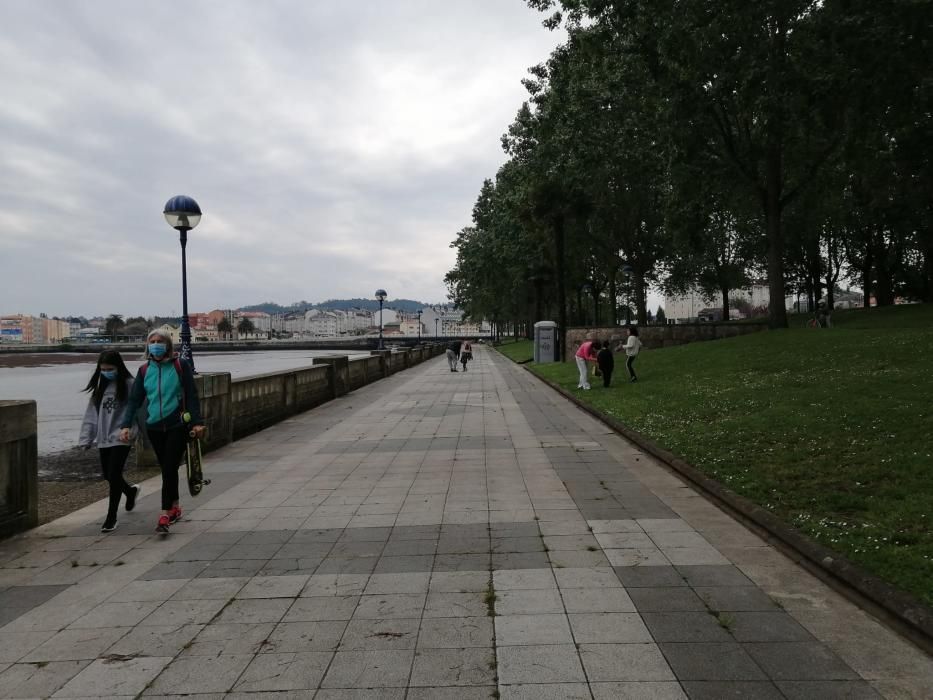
(109, 388)
(166, 382)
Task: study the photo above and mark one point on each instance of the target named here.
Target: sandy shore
(71, 479)
(46, 359)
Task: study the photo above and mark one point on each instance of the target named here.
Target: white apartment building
(323, 324)
(685, 308)
(450, 322)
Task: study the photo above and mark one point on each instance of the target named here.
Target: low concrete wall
(262, 400)
(662, 336)
(19, 467)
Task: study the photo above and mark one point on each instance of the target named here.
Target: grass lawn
(832, 430)
(517, 350)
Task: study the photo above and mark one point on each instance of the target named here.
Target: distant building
(173, 332)
(450, 322)
(411, 326)
(33, 330)
(695, 306)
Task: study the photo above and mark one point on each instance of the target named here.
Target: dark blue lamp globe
(182, 213)
(381, 294)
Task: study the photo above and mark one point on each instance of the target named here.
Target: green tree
(245, 326)
(224, 328)
(114, 324)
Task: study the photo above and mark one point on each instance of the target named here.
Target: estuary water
(56, 388)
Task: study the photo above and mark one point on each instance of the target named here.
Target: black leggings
(169, 446)
(112, 460)
(628, 365)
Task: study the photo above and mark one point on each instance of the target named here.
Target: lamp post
(381, 297)
(436, 320)
(419, 325)
(183, 214)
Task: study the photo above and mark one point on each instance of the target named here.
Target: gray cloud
(334, 147)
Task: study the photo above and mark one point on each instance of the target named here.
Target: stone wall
(662, 336)
(19, 467)
(262, 400)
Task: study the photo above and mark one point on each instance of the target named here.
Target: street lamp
(436, 320)
(381, 296)
(183, 214)
(419, 325)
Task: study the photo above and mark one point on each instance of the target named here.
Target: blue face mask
(109, 374)
(157, 350)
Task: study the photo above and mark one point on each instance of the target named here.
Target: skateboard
(193, 461)
(196, 480)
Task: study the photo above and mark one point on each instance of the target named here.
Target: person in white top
(632, 347)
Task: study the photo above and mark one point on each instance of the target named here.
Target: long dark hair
(633, 330)
(98, 384)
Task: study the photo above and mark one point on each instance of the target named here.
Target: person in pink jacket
(585, 353)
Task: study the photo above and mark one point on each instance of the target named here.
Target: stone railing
(232, 409)
(19, 470)
(661, 336)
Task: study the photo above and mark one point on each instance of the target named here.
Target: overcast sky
(334, 147)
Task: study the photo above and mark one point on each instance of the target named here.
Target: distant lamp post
(436, 321)
(183, 214)
(381, 297)
(419, 325)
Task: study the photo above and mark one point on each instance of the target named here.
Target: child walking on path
(109, 388)
(466, 353)
(585, 353)
(632, 348)
(167, 383)
(606, 363)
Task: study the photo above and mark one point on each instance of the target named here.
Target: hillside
(404, 305)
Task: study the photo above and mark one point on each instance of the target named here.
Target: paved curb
(906, 614)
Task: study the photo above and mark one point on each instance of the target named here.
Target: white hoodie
(102, 427)
(632, 346)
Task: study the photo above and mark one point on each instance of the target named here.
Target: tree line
(688, 144)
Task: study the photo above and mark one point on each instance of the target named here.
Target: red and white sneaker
(164, 522)
(174, 515)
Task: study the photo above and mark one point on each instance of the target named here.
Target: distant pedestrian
(453, 354)
(167, 383)
(585, 353)
(606, 363)
(109, 388)
(632, 347)
(466, 354)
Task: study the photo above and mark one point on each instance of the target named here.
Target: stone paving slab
(433, 536)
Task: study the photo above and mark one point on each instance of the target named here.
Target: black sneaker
(132, 496)
(109, 525)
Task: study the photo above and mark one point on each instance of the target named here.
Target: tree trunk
(641, 299)
(928, 269)
(777, 313)
(595, 307)
(867, 264)
(613, 308)
(561, 287)
(884, 292)
(538, 300)
(725, 303)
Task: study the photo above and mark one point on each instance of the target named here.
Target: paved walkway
(434, 536)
